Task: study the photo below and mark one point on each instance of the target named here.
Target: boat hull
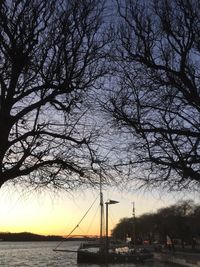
(100, 257)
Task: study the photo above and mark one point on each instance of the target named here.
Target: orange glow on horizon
(48, 214)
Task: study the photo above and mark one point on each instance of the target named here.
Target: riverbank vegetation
(180, 222)
(25, 236)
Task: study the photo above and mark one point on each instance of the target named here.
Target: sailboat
(103, 251)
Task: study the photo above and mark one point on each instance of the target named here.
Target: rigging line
(92, 221)
(78, 223)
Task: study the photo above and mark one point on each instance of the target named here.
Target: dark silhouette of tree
(52, 54)
(179, 221)
(155, 100)
(145, 228)
(123, 229)
(175, 221)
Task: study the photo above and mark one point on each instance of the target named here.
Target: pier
(182, 258)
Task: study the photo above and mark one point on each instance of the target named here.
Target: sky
(49, 213)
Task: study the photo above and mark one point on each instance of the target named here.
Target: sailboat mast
(101, 209)
(134, 233)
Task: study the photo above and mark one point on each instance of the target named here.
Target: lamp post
(109, 202)
(134, 234)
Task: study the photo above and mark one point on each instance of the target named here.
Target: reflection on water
(41, 254)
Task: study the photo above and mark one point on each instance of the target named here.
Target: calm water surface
(40, 254)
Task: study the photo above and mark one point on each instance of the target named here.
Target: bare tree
(157, 101)
(52, 54)
(178, 221)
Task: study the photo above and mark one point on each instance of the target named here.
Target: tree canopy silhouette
(155, 100)
(178, 221)
(51, 56)
(54, 54)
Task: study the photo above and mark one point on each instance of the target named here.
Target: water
(41, 254)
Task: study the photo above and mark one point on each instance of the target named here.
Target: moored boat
(96, 256)
(102, 250)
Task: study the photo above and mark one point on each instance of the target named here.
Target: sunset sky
(77, 90)
(45, 213)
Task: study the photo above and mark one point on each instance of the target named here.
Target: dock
(182, 258)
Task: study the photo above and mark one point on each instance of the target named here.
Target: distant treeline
(6, 236)
(25, 236)
(180, 222)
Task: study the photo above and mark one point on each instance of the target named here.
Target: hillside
(28, 237)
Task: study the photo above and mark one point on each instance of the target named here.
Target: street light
(134, 233)
(109, 202)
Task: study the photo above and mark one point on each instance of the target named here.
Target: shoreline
(180, 258)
